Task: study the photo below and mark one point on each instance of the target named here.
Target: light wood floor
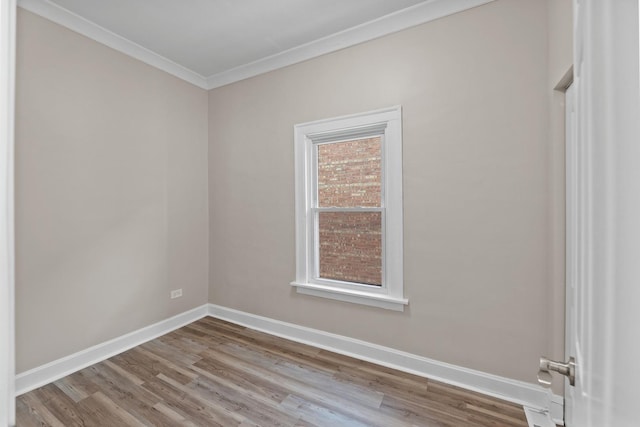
(214, 373)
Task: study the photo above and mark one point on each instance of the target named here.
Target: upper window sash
(314, 162)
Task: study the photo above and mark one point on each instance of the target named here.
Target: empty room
(319, 213)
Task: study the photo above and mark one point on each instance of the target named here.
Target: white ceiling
(210, 36)
(214, 42)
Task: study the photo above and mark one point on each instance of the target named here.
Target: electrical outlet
(176, 294)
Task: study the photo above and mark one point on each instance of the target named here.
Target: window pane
(349, 173)
(351, 246)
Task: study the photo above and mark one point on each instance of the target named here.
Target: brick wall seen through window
(350, 243)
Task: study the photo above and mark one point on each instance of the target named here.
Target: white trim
(556, 411)
(387, 123)
(424, 12)
(74, 22)
(519, 392)
(406, 18)
(537, 418)
(7, 238)
(574, 236)
(57, 369)
(349, 295)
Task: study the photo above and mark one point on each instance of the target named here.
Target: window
(349, 208)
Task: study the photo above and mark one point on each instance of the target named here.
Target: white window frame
(386, 123)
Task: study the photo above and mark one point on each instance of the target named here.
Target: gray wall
(474, 91)
(111, 209)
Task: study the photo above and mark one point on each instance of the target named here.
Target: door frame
(7, 246)
(572, 227)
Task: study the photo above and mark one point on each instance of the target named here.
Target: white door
(605, 245)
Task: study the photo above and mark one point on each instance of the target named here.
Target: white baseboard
(519, 392)
(45, 374)
(557, 409)
(536, 418)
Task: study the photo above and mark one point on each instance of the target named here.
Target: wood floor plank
(427, 413)
(68, 387)
(255, 338)
(256, 408)
(112, 408)
(237, 378)
(318, 415)
(32, 411)
(312, 392)
(497, 418)
(130, 396)
(226, 409)
(443, 392)
(186, 406)
(179, 356)
(322, 379)
(117, 386)
(167, 367)
(128, 376)
(174, 417)
(395, 386)
(97, 411)
(60, 405)
(215, 373)
(186, 344)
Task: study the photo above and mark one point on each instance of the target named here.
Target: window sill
(356, 297)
